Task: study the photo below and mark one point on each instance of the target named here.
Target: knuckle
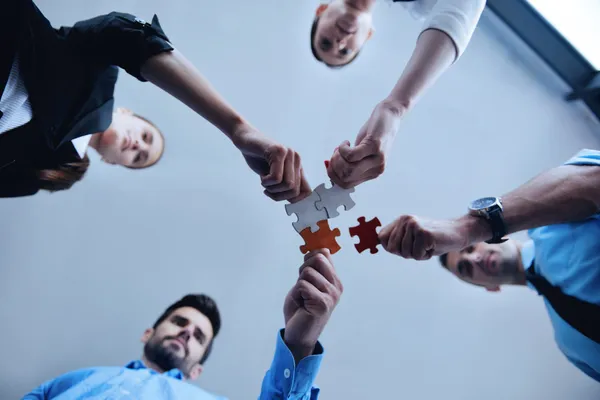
(302, 284)
(307, 272)
(278, 151)
(320, 258)
(346, 171)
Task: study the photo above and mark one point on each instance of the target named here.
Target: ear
(147, 335)
(493, 289)
(371, 32)
(321, 9)
(122, 110)
(195, 372)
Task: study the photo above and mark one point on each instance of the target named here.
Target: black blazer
(70, 75)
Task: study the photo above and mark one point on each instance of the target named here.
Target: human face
(487, 265)
(343, 28)
(179, 341)
(129, 141)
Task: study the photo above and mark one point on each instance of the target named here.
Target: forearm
(433, 55)
(176, 75)
(560, 195)
(563, 194)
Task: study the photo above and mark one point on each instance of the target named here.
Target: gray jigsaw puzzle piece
(332, 198)
(307, 213)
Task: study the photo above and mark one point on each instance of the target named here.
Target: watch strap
(496, 221)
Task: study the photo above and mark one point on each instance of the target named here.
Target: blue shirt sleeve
(585, 157)
(285, 380)
(54, 387)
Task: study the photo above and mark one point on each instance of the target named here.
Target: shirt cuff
(585, 157)
(295, 382)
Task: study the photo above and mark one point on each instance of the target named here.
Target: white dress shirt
(457, 18)
(16, 107)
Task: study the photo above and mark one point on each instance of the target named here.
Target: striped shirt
(16, 108)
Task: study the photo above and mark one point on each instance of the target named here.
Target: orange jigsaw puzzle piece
(324, 238)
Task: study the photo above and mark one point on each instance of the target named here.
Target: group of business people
(57, 101)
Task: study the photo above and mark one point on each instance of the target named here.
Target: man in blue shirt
(181, 339)
(561, 210)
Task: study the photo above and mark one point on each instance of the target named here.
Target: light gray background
(84, 273)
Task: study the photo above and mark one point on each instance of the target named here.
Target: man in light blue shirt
(560, 208)
(181, 340)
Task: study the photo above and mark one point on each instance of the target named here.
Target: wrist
(300, 351)
(397, 106)
(474, 229)
(299, 348)
(237, 128)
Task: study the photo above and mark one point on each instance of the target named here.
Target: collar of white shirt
(81, 144)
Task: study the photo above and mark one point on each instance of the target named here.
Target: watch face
(483, 203)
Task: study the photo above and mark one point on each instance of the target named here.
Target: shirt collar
(527, 254)
(138, 364)
(527, 257)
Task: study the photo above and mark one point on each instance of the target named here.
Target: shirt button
(286, 373)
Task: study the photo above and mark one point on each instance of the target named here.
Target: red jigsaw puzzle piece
(324, 238)
(367, 232)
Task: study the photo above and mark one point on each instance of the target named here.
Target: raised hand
(351, 166)
(279, 167)
(421, 239)
(310, 302)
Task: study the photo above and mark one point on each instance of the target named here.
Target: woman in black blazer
(57, 90)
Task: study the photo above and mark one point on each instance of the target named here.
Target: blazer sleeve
(19, 186)
(118, 39)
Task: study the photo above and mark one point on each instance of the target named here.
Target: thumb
(384, 235)
(357, 153)
(361, 134)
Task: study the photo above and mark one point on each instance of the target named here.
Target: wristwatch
(491, 209)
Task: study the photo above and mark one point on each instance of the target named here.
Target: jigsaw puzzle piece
(324, 238)
(332, 198)
(307, 213)
(367, 232)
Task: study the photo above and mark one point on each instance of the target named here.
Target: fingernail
(326, 163)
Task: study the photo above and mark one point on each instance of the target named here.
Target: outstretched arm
(145, 52)
(444, 38)
(307, 309)
(570, 192)
(563, 194)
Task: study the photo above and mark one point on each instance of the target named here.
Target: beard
(164, 356)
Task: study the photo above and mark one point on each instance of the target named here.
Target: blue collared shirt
(568, 256)
(284, 380)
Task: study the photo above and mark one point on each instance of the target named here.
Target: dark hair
(444, 260)
(162, 151)
(203, 303)
(64, 175)
(313, 32)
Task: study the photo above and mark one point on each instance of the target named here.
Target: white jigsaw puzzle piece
(332, 198)
(307, 213)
